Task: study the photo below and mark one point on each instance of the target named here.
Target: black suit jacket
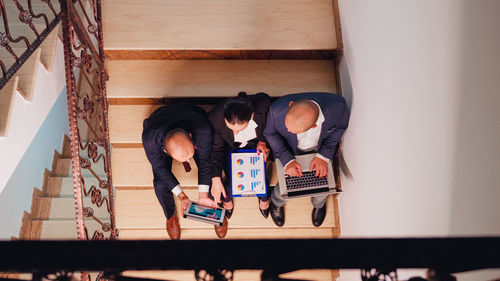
(284, 144)
(224, 136)
(188, 117)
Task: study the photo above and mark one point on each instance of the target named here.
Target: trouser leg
(165, 197)
(276, 197)
(319, 201)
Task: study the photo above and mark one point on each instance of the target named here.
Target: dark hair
(238, 110)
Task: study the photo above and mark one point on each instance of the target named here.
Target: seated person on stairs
(301, 124)
(180, 132)
(238, 124)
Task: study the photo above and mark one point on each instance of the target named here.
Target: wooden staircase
(158, 50)
(23, 82)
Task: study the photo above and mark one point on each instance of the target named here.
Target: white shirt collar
(246, 134)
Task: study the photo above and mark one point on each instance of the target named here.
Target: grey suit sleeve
(276, 141)
(334, 134)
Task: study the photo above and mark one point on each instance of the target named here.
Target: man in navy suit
(301, 124)
(180, 132)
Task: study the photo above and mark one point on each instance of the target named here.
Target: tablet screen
(205, 212)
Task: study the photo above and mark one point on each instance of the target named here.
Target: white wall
(27, 117)
(422, 152)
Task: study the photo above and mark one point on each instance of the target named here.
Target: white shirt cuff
(177, 190)
(289, 163)
(203, 188)
(322, 157)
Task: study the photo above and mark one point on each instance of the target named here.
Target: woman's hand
(217, 189)
(262, 148)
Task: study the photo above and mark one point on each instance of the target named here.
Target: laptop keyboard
(308, 179)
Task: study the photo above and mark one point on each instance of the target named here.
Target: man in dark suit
(180, 132)
(301, 124)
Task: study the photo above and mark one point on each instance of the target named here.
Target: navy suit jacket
(284, 144)
(185, 116)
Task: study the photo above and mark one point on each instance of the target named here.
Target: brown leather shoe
(221, 230)
(173, 228)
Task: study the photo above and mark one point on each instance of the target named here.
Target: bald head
(301, 116)
(179, 145)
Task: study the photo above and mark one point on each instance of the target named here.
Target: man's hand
(321, 167)
(262, 148)
(294, 169)
(184, 200)
(203, 199)
(218, 189)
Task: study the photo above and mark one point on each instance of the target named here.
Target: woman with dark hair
(238, 124)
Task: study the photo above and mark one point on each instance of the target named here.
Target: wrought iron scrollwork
(37, 23)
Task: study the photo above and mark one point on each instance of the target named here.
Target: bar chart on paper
(247, 174)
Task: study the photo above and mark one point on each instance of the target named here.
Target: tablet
(195, 211)
(248, 173)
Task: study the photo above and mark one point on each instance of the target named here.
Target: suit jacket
(223, 136)
(188, 117)
(284, 144)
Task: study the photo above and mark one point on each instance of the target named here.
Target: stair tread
(139, 208)
(64, 208)
(219, 24)
(132, 168)
(64, 229)
(216, 78)
(232, 233)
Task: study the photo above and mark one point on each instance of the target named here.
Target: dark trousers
(166, 197)
(227, 170)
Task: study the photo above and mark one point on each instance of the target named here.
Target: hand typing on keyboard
(294, 169)
(320, 166)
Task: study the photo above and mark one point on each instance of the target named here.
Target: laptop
(308, 185)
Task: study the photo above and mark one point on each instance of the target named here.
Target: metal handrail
(7, 39)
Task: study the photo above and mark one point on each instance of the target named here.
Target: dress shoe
(173, 228)
(318, 215)
(229, 213)
(278, 214)
(265, 213)
(221, 230)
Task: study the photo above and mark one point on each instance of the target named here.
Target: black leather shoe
(318, 215)
(265, 213)
(229, 213)
(278, 214)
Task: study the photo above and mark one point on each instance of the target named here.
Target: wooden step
(139, 208)
(66, 184)
(239, 275)
(64, 208)
(7, 98)
(63, 229)
(125, 122)
(217, 78)
(64, 169)
(233, 233)
(218, 24)
(132, 168)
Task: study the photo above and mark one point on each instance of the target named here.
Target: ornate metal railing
(87, 108)
(26, 24)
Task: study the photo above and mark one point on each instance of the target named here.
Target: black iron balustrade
(32, 27)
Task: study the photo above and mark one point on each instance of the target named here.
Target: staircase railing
(88, 112)
(32, 24)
